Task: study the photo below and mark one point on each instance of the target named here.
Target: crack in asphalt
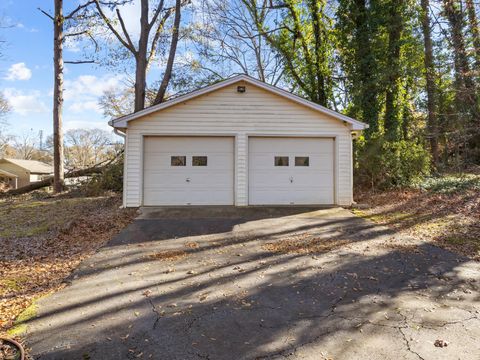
(155, 311)
(407, 342)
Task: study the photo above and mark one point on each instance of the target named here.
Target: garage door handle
(187, 179)
(291, 179)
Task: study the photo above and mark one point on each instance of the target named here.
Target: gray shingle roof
(33, 166)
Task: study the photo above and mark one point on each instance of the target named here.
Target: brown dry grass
(449, 219)
(44, 239)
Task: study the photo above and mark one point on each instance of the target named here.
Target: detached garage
(239, 142)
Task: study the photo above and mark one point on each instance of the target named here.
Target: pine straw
(450, 220)
(304, 244)
(56, 235)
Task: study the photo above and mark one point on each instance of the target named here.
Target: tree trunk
(50, 180)
(171, 56)
(366, 66)
(58, 156)
(474, 29)
(465, 97)
(395, 28)
(141, 59)
(430, 79)
(315, 12)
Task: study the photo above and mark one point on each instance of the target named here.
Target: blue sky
(26, 73)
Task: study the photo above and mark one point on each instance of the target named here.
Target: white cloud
(78, 106)
(18, 71)
(90, 86)
(25, 103)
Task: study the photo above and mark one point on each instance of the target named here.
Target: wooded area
(410, 69)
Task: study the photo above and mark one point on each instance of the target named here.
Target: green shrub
(110, 179)
(383, 164)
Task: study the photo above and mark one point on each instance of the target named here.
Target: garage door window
(178, 160)
(199, 161)
(281, 160)
(302, 161)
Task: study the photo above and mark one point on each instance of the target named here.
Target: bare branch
(46, 14)
(158, 10)
(124, 29)
(80, 62)
(112, 29)
(79, 7)
(76, 34)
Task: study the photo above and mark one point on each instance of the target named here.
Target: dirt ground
(43, 238)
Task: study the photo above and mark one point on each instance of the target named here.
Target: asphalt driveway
(258, 283)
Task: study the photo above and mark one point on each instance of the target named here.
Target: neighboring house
(238, 142)
(17, 173)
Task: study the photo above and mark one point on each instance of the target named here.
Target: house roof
(6, 173)
(122, 121)
(33, 166)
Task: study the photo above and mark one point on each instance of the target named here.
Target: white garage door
(291, 171)
(188, 171)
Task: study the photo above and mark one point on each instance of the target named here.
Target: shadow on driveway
(372, 296)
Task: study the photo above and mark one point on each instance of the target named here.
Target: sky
(26, 72)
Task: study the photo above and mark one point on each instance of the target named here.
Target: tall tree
(356, 30)
(301, 35)
(430, 81)
(58, 152)
(230, 44)
(59, 21)
(152, 28)
(465, 96)
(475, 32)
(395, 25)
(171, 55)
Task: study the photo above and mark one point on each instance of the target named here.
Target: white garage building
(239, 142)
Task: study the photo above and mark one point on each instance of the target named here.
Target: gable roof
(6, 173)
(33, 166)
(122, 121)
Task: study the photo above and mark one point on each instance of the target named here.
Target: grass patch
(12, 284)
(19, 326)
(33, 218)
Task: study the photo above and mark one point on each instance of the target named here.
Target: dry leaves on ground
(168, 255)
(304, 244)
(43, 240)
(451, 219)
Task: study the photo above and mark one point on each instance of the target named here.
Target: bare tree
(25, 146)
(59, 20)
(86, 147)
(152, 28)
(230, 43)
(4, 108)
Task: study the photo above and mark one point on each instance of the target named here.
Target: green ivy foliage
(382, 164)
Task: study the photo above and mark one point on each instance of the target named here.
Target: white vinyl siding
(226, 112)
